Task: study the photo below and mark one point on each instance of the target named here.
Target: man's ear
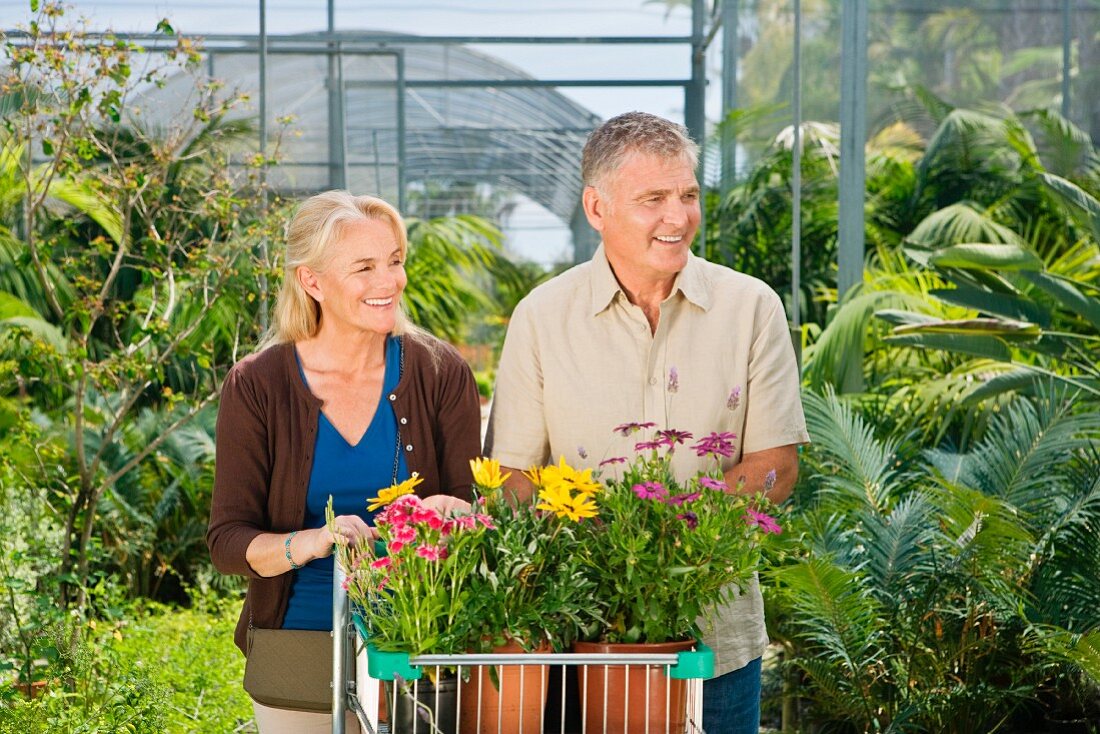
(595, 207)
(308, 280)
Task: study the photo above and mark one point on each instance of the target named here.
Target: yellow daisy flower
(389, 494)
(487, 473)
(566, 475)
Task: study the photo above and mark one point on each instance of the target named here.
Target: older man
(596, 346)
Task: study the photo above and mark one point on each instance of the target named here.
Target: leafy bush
(158, 669)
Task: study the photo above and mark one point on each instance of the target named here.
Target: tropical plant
(129, 281)
(919, 582)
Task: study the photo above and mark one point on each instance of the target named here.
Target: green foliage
(158, 670)
(938, 590)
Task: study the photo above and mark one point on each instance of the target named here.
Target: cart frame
(357, 667)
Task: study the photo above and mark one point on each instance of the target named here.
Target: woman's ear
(308, 280)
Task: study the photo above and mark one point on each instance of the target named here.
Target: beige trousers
(280, 721)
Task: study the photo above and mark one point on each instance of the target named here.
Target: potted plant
(661, 554)
(529, 593)
(413, 597)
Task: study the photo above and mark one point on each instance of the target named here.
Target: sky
(533, 232)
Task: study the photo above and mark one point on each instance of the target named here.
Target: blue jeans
(731, 702)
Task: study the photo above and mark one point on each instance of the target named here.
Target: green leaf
(978, 256)
(1077, 199)
(997, 304)
(1068, 295)
(974, 345)
(1003, 328)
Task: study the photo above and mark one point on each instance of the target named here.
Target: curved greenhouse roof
(458, 125)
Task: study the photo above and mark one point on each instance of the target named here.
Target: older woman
(344, 397)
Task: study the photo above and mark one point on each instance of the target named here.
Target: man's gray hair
(632, 132)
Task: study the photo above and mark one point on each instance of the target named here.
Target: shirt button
(393, 397)
(404, 421)
(652, 380)
(408, 447)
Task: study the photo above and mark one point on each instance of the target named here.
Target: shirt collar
(690, 282)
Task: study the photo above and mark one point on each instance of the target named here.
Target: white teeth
(669, 238)
(378, 301)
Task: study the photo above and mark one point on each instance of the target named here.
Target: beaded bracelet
(286, 546)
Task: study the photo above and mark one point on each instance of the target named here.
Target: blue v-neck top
(352, 475)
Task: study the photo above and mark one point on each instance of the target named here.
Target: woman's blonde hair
(314, 229)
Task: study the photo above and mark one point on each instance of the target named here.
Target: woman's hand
(445, 504)
(348, 530)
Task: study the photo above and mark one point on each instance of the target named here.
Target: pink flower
(683, 499)
(716, 444)
(395, 546)
(466, 522)
(613, 460)
(763, 521)
(404, 534)
(690, 518)
(650, 490)
(628, 428)
(383, 562)
(486, 521)
(431, 552)
(712, 483)
(671, 437)
(648, 445)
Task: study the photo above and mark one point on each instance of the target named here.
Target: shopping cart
(422, 698)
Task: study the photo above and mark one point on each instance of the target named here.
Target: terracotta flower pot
(633, 698)
(515, 706)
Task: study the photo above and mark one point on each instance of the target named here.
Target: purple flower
(628, 428)
(716, 444)
(648, 445)
(769, 481)
(683, 499)
(763, 521)
(581, 452)
(650, 490)
(712, 483)
(690, 519)
(613, 460)
(673, 379)
(671, 436)
(734, 399)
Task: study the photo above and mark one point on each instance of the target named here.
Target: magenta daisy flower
(763, 521)
(648, 445)
(671, 436)
(628, 428)
(715, 444)
(650, 490)
(683, 499)
(690, 519)
(712, 483)
(613, 460)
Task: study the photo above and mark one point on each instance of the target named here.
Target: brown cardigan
(267, 420)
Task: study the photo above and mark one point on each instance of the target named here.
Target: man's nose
(677, 212)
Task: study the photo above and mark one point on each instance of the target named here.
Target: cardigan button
(404, 421)
(409, 447)
(392, 397)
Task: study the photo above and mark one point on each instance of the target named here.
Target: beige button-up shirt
(579, 359)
